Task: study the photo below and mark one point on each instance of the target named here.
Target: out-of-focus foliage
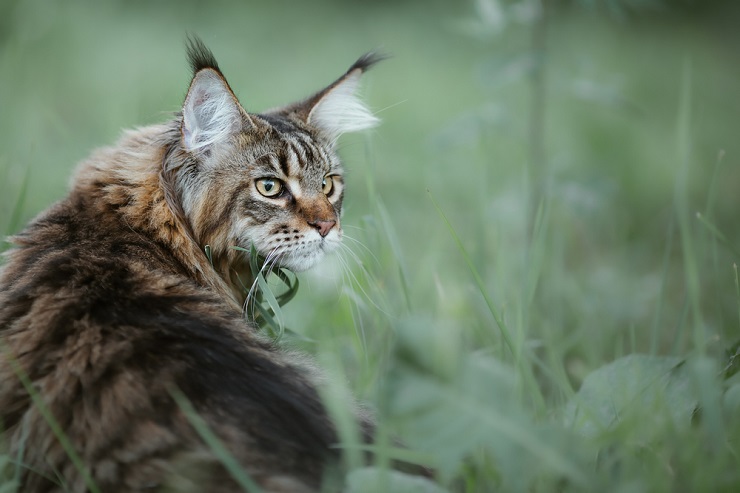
(568, 150)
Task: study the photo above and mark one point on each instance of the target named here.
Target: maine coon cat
(108, 301)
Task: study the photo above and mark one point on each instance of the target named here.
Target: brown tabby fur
(108, 303)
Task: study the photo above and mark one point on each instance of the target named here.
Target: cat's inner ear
(340, 110)
(211, 113)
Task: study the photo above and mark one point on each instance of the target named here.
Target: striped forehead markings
(314, 152)
(301, 153)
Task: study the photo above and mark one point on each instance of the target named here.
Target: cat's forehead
(289, 149)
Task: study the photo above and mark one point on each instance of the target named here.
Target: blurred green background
(570, 145)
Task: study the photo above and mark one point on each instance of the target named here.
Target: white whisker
(359, 243)
(353, 281)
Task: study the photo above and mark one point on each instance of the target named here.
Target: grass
(572, 338)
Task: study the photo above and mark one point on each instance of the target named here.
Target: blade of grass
(17, 209)
(393, 453)
(390, 234)
(211, 440)
(288, 295)
(688, 243)
(273, 304)
(56, 429)
(718, 234)
(209, 254)
(737, 291)
(478, 281)
(658, 315)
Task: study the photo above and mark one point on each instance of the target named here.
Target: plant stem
(537, 161)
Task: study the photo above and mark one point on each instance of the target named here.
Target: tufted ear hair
(211, 113)
(337, 109)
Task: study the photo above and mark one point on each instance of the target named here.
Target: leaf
(269, 317)
(273, 304)
(647, 391)
(209, 254)
(462, 405)
(373, 480)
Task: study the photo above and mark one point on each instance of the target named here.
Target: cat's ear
(211, 112)
(338, 109)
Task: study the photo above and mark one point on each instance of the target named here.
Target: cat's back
(105, 324)
(124, 302)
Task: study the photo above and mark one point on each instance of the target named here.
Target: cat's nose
(323, 226)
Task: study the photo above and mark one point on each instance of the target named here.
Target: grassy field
(539, 290)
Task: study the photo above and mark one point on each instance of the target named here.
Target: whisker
(353, 279)
(354, 309)
(359, 243)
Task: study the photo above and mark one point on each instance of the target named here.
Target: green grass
(585, 345)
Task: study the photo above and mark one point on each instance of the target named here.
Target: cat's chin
(303, 260)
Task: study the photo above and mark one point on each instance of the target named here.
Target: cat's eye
(269, 187)
(327, 185)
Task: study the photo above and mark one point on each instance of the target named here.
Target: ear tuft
(211, 113)
(199, 55)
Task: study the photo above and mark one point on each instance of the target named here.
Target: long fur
(108, 303)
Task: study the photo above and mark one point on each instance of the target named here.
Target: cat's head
(271, 180)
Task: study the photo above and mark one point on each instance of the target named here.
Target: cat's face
(272, 181)
(278, 186)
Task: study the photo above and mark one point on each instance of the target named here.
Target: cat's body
(108, 303)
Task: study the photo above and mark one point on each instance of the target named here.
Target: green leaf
(279, 326)
(373, 480)
(648, 392)
(209, 254)
(462, 405)
(269, 317)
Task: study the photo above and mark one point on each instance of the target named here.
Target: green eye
(269, 187)
(327, 185)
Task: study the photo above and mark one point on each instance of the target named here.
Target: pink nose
(323, 226)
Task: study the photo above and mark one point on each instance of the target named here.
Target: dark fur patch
(279, 123)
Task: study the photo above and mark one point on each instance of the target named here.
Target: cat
(110, 307)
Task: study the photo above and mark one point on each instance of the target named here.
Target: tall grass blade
(390, 234)
(718, 234)
(17, 209)
(56, 429)
(658, 313)
(273, 304)
(505, 334)
(209, 437)
(688, 244)
(737, 291)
